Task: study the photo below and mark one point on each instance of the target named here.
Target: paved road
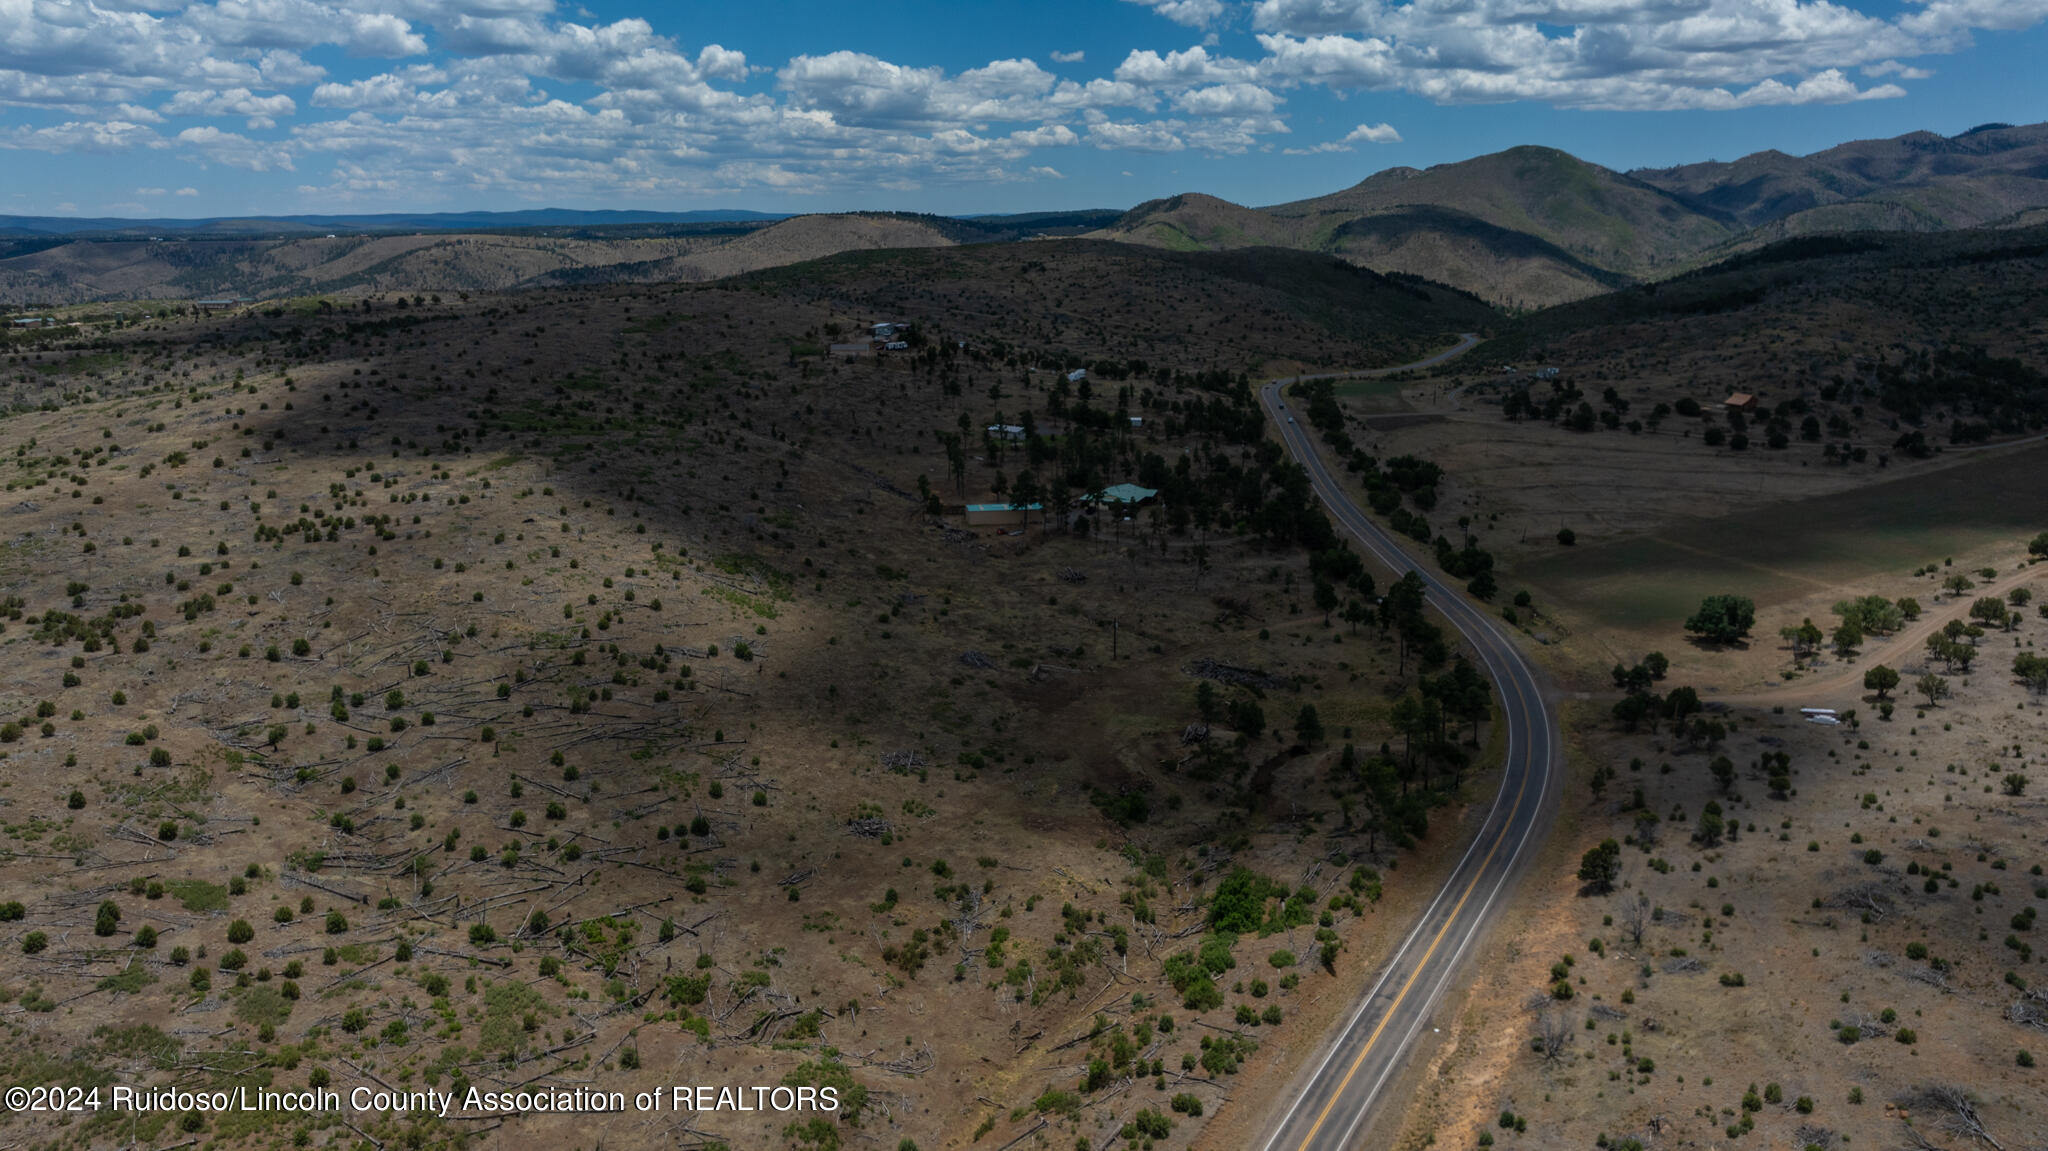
(1466, 342)
(1330, 1101)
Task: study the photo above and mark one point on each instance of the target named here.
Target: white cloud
(715, 62)
(1363, 134)
(1047, 136)
(282, 69)
(387, 91)
(293, 25)
(1189, 67)
(235, 151)
(186, 192)
(1640, 54)
(534, 98)
(100, 136)
(1227, 100)
(1134, 137)
(1043, 173)
(1192, 13)
(149, 191)
(260, 111)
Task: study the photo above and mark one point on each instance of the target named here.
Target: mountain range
(1524, 228)
(1533, 226)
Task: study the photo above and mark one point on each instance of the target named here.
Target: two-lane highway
(1330, 1101)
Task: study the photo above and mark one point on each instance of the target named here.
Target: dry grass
(665, 592)
(1823, 933)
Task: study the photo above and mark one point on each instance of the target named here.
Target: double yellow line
(1348, 511)
(1451, 921)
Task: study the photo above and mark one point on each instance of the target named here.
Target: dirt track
(1895, 650)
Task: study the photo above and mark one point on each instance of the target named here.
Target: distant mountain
(1598, 216)
(969, 228)
(1918, 182)
(24, 226)
(1534, 226)
(1526, 226)
(72, 270)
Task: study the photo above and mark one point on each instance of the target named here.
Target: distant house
(1014, 433)
(1000, 515)
(1128, 495)
(35, 322)
(1137, 421)
(864, 348)
(1077, 375)
(888, 330)
(1546, 373)
(223, 303)
(1740, 402)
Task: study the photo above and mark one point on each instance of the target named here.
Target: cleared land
(579, 688)
(1824, 969)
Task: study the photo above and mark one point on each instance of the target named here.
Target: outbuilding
(1000, 515)
(1740, 402)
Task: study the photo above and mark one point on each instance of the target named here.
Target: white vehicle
(1824, 720)
(1813, 711)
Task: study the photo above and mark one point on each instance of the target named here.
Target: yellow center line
(1393, 1007)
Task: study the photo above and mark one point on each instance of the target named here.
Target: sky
(192, 108)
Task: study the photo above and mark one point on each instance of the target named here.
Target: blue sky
(235, 107)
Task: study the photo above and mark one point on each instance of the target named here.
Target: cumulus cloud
(1636, 54)
(82, 136)
(1363, 134)
(1227, 100)
(1193, 13)
(299, 24)
(451, 99)
(1135, 137)
(233, 150)
(259, 111)
(1192, 66)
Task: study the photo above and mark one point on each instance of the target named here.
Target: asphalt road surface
(1329, 1102)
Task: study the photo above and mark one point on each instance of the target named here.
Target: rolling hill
(23, 226)
(1236, 309)
(56, 270)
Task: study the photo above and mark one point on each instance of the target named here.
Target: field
(1840, 951)
(1783, 554)
(1817, 973)
(1898, 422)
(591, 689)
